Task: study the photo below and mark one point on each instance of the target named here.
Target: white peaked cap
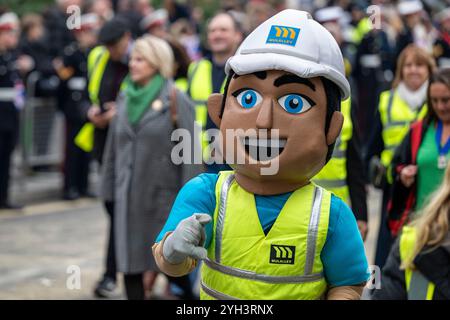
(155, 17)
(89, 19)
(409, 7)
(329, 14)
(291, 41)
(9, 19)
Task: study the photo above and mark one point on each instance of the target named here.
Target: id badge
(442, 162)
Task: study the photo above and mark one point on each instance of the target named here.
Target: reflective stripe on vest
(396, 116)
(97, 61)
(417, 286)
(284, 264)
(199, 88)
(333, 176)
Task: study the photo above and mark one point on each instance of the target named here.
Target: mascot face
(278, 120)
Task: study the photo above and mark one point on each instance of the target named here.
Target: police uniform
(441, 50)
(10, 82)
(75, 105)
(441, 47)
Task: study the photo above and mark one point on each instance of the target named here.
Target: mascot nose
(264, 120)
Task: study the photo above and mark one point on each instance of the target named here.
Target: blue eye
(248, 98)
(295, 103)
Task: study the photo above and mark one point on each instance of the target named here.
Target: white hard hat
(291, 41)
(409, 7)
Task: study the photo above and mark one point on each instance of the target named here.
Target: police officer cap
(8, 21)
(409, 7)
(329, 14)
(443, 15)
(158, 17)
(113, 30)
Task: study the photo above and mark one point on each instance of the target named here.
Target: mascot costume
(271, 235)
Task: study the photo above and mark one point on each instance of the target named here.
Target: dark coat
(403, 199)
(141, 179)
(9, 79)
(73, 91)
(434, 265)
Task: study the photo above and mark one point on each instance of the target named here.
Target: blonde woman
(139, 175)
(418, 266)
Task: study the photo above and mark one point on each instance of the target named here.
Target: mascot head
(281, 103)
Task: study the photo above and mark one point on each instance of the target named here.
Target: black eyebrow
(291, 78)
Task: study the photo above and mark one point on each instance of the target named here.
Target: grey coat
(139, 176)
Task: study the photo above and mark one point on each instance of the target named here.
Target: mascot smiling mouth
(263, 149)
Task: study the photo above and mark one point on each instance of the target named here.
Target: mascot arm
(345, 292)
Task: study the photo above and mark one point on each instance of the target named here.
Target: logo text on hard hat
(283, 35)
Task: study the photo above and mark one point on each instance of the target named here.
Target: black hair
(332, 93)
(181, 57)
(113, 30)
(440, 76)
(333, 104)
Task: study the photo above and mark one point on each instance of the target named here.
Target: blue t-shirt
(343, 255)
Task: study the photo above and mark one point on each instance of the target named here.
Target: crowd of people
(129, 73)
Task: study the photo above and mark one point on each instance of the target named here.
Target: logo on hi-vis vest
(282, 254)
(283, 35)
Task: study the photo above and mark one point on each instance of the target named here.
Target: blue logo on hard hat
(283, 35)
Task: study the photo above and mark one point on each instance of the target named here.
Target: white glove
(187, 239)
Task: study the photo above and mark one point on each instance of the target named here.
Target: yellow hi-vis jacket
(396, 117)
(97, 61)
(244, 263)
(181, 84)
(417, 286)
(199, 88)
(361, 29)
(333, 176)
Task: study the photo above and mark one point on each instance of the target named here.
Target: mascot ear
(337, 120)
(214, 107)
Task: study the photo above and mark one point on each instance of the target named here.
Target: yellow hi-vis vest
(396, 117)
(181, 84)
(97, 61)
(199, 88)
(333, 176)
(417, 286)
(244, 263)
(361, 29)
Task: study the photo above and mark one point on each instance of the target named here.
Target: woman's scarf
(414, 99)
(138, 98)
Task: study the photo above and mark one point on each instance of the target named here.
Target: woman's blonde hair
(420, 56)
(157, 52)
(432, 223)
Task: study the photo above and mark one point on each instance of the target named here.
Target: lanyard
(441, 149)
